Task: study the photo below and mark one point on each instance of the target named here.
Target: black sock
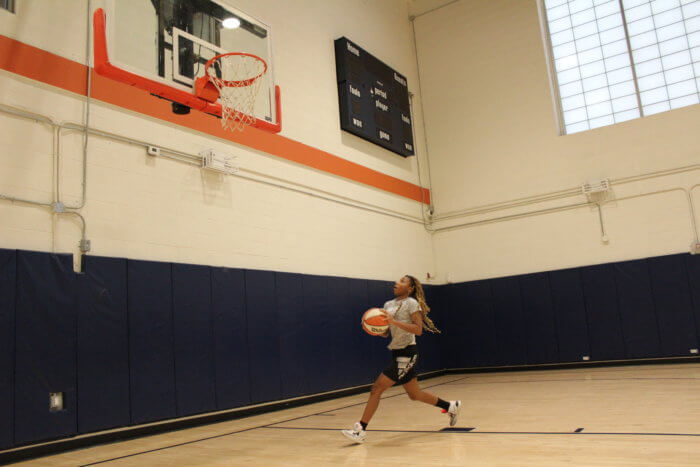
(443, 404)
(364, 425)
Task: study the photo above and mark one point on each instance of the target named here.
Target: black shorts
(403, 365)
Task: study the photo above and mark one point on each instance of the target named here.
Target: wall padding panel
(570, 312)
(296, 337)
(195, 383)
(379, 292)
(263, 336)
(230, 337)
(669, 284)
(604, 323)
(45, 346)
(481, 329)
(8, 275)
(540, 322)
(429, 343)
(636, 303)
(151, 356)
(318, 346)
(365, 369)
(103, 345)
(692, 264)
(344, 333)
(509, 321)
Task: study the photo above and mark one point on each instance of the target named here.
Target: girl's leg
(415, 393)
(381, 384)
(451, 408)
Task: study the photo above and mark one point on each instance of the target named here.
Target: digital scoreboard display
(374, 103)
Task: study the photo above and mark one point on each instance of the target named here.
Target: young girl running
(407, 315)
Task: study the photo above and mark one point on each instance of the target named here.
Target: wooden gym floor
(634, 415)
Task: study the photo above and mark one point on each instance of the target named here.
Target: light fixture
(231, 23)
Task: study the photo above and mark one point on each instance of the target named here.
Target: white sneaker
(357, 434)
(453, 411)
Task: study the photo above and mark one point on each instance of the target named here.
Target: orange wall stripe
(43, 66)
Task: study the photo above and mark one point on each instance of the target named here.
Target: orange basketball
(374, 322)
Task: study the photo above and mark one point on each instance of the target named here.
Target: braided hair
(423, 307)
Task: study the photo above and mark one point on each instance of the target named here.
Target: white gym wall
(493, 137)
(160, 209)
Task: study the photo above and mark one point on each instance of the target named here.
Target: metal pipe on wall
(192, 159)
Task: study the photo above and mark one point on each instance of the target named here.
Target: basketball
(374, 322)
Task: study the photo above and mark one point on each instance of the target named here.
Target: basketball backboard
(168, 43)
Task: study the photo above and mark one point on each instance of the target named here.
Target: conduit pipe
(565, 193)
(195, 159)
(687, 192)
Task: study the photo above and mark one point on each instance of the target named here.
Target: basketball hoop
(236, 76)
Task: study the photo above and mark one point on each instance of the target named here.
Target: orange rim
(235, 83)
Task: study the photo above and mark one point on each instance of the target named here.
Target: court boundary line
(269, 425)
(275, 426)
(475, 432)
(579, 379)
(119, 434)
(131, 432)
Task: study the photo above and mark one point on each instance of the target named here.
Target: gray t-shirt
(401, 310)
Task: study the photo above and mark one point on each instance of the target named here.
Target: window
(615, 60)
(8, 5)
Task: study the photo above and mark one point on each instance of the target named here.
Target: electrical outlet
(694, 351)
(153, 151)
(586, 358)
(55, 401)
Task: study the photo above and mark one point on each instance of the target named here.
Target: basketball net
(237, 78)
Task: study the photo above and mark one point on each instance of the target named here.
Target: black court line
(575, 380)
(362, 403)
(271, 425)
(475, 432)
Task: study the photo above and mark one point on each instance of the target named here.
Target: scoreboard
(374, 103)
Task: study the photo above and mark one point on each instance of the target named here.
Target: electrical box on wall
(217, 161)
(374, 99)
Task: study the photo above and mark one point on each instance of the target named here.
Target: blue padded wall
(151, 358)
(318, 345)
(674, 313)
(636, 305)
(8, 275)
(429, 343)
(102, 345)
(297, 334)
(604, 323)
(570, 313)
(692, 265)
(364, 369)
(509, 321)
(378, 293)
(263, 336)
(195, 385)
(445, 325)
(540, 322)
(456, 353)
(477, 337)
(131, 342)
(45, 346)
(344, 333)
(230, 338)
